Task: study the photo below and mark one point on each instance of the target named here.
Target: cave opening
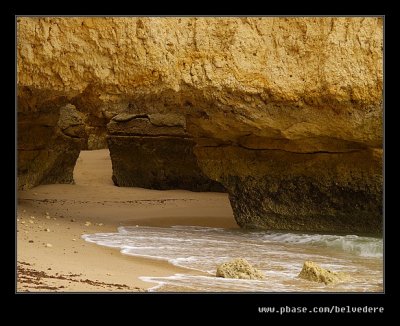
(93, 167)
(99, 197)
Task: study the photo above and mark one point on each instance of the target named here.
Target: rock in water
(239, 268)
(312, 272)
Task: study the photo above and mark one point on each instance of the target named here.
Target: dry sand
(51, 254)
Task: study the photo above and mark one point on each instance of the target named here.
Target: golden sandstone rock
(239, 268)
(285, 113)
(312, 272)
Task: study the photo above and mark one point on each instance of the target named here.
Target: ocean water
(279, 255)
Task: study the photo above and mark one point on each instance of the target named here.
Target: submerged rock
(312, 272)
(239, 268)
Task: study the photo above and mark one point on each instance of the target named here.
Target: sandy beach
(51, 219)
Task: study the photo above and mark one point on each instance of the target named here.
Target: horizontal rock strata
(154, 151)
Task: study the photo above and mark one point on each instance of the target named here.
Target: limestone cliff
(49, 142)
(155, 151)
(285, 112)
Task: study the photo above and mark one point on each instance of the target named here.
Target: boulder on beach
(240, 269)
(313, 272)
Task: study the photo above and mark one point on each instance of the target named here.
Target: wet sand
(51, 254)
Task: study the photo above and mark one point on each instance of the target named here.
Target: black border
(194, 305)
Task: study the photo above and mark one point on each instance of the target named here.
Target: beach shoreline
(52, 256)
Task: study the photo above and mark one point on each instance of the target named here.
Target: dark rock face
(49, 143)
(154, 151)
(292, 191)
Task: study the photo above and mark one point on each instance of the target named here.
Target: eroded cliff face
(285, 112)
(155, 151)
(300, 191)
(49, 143)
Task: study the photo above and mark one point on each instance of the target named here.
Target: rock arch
(285, 113)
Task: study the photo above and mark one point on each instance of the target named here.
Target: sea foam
(279, 255)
